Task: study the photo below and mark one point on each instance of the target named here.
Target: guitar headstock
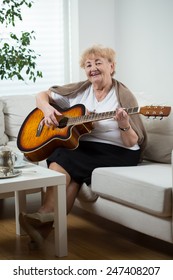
(155, 111)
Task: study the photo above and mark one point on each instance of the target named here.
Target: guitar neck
(99, 116)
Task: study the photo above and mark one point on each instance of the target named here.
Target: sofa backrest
(160, 132)
(160, 138)
(15, 109)
(3, 136)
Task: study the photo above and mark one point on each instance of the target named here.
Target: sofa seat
(147, 187)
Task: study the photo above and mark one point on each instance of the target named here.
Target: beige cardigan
(125, 98)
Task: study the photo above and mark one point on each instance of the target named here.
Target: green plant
(17, 59)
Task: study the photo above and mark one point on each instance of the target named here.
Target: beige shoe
(40, 218)
(34, 234)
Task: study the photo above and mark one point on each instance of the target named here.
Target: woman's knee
(56, 167)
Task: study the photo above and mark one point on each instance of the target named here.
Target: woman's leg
(72, 189)
(37, 225)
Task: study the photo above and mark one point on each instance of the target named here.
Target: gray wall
(141, 33)
(145, 49)
(93, 22)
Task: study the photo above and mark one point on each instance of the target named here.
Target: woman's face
(98, 69)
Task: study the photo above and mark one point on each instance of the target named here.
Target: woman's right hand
(43, 103)
(50, 114)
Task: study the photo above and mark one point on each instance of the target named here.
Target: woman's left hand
(129, 136)
(122, 118)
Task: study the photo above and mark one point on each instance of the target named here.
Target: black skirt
(80, 163)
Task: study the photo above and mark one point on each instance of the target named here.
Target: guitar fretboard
(99, 116)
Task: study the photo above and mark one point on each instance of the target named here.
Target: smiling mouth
(95, 73)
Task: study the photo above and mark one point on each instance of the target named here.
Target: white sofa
(137, 197)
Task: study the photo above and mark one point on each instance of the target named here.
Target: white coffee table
(33, 177)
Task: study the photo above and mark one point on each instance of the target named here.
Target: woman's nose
(93, 67)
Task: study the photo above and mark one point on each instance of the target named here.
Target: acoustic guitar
(37, 141)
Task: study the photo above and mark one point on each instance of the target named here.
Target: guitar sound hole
(63, 122)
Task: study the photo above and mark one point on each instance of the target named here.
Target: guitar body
(38, 141)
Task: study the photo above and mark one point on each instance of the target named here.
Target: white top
(105, 131)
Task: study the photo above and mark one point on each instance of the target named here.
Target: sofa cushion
(16, 108)
(147, 187)
(12, 145)
(3, 136)
(160, 139)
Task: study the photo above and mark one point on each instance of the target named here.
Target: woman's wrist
(125, 128)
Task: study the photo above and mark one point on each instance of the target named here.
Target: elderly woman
(118, 141)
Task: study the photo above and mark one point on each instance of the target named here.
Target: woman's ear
(112, 67)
